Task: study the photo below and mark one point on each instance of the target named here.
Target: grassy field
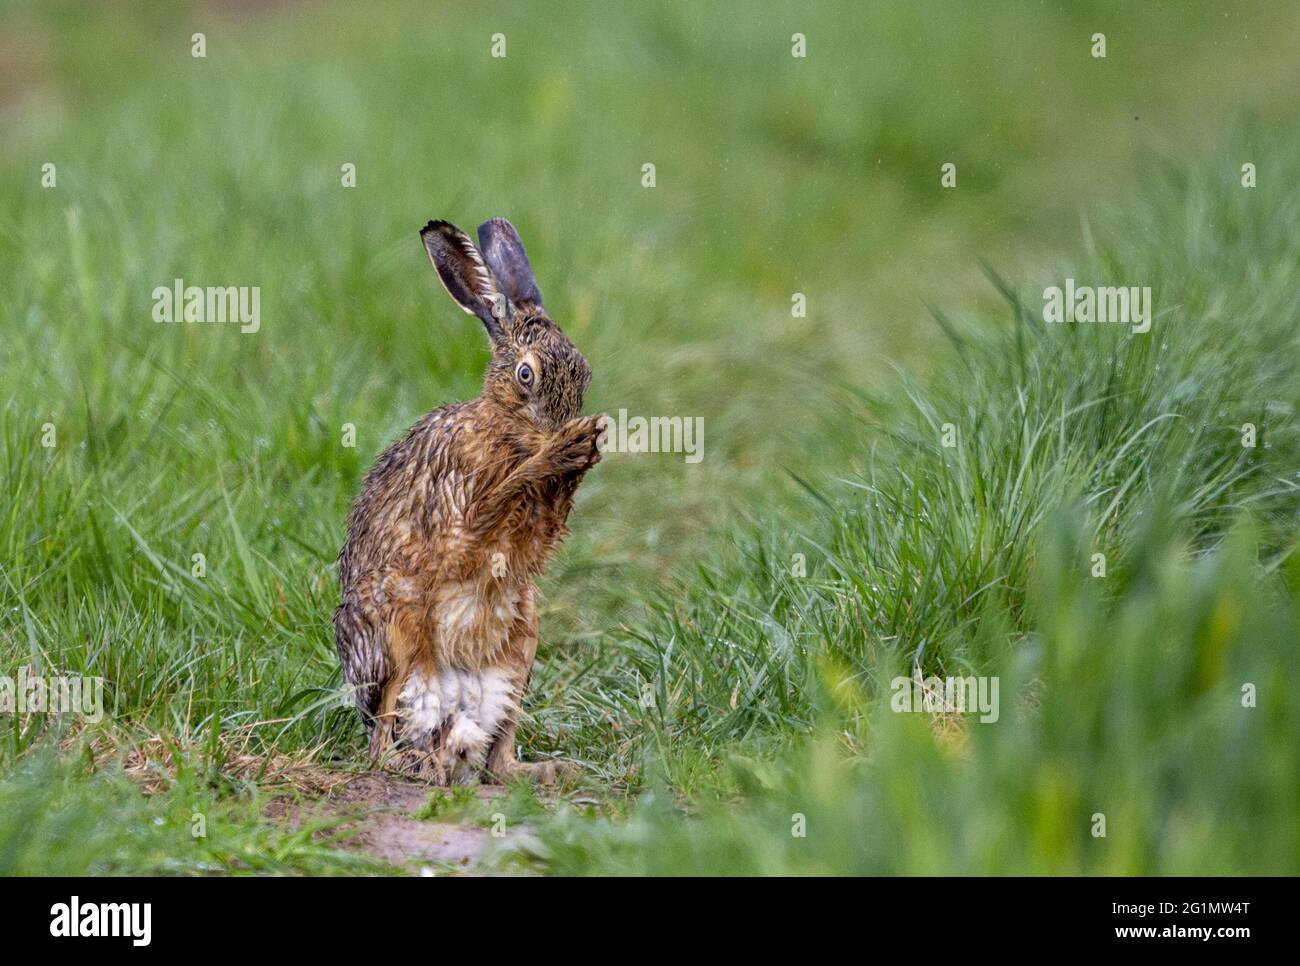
(718, 639)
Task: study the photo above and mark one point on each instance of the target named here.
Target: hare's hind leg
(402, 742)
(408, 718)
(502, 763)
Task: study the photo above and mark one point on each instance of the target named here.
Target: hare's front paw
(575, 449)
(418, 763)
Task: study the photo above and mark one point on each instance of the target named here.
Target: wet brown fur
(463, 513)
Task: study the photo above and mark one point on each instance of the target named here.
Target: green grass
(1135, 715)
(63, 816)
(1122, 695)
(683, 661)
(919, 553)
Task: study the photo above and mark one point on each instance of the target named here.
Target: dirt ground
(378, 812)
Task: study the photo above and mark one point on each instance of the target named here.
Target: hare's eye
(524, 374)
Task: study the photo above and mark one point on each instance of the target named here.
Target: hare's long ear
(504, 253)
(464, 274)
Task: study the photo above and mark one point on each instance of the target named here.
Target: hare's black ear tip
(434, 227)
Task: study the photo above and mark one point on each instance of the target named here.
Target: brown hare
(437, 626)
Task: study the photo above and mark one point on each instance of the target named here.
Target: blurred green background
(775, 175)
